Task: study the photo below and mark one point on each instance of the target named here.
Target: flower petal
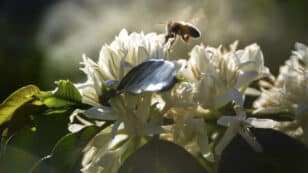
(268, 110)
(203, 144)
(248, 66)
(100, 113)
(228, 120)
(261, 123)
(153, 129)
(245, 78)
(251, 140)
(73, 128)
(301, 110)
(225, 140)
(230, 95)
(143, 110)
(115, 128)
(252, 92)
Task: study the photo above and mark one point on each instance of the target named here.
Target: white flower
(127, 51)
(189, 132)
(100, 157)
(290, 91)
(116, 59)
(92, 88)
(221, 76)
(181, 95)
(240, 124)
(138, 113)
(133, 115)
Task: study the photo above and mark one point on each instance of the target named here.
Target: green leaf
(16, 100)
(30, 141)
(66, 94)
(150, 76)
(135, 144)
(281, 154)
(67, 153)
(163, 157)
(19, 150)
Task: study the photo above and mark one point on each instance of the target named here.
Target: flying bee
(183, 29)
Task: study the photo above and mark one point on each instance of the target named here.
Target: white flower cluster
(222, 76)
(209, 80)
(289, 92)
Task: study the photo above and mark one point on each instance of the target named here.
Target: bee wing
(194, 31)
(196, 18)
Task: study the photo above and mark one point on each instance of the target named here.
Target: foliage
(16, 100)
(138, 111)
(65, 94)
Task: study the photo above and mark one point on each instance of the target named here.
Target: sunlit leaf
(66, 94)
(149, 76)
(15, 100)
(163, 157)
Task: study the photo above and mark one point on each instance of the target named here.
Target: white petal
(115, 128)
(269, 110)
(248, 66)
(88, 156)
(301, 110)
(261, 123)
(75, 114)
(124, 67)
(251, 140)
(228, 120)
(100, 113)
(203, 143)
(231, 94)
(123, 35)
(153, 129)
(116, 140)
(132, 101)
(89, 96)
(73, 128)
(225, 140)
(305, 129)
(143, 109)
(233, 46)
(252, 92)
(245, 78)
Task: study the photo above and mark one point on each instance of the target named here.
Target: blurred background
(43, 40)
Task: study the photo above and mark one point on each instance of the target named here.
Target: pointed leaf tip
(16, 100)
(150, 76)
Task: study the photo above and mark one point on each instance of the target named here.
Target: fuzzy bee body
(183, 29)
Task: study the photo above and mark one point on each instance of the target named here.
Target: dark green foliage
(67, 153)
(31, 137)
(282, 154)
(160, 156)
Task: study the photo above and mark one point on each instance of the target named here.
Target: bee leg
(170, 39)
(185, 38)
(172, 42)
(169, 36)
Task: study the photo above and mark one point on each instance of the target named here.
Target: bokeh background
(43, 40)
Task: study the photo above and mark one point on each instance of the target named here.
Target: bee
(180, 28)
